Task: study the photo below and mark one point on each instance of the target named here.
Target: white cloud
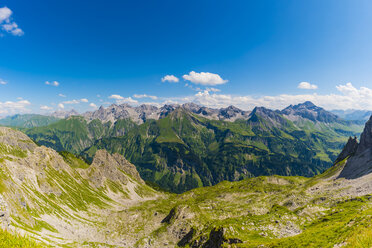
(45, 107)
(54, 83)
(5, 14)
(10, 107)
(93, 105)
(7, 24)
(2, 82)
(61, 95)
(61, 106)
(170, 79)
(120, 99)
(192, 87)
(145, 96)
(71, 102)
(74, 101)
(127, 100)
(13, 29)
(213, 89)
(117, 97)
(307, 86)
(348, 97)
(204, 78)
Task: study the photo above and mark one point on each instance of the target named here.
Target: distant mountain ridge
(353, 114)
(28, 120)
(144, 112)
(181, 147)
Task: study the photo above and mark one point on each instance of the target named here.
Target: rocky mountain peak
(366, 137)
(309, 111)
(260, 110)
(360, 161)
(191, 106)
(307, 104)
(349, 149)
(64, 114)
(271, 116)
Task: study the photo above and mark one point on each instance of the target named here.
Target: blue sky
(244, 53)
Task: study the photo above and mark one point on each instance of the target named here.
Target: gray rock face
(64, 114)
(144, 112)
(348, 150)
(106, 166)
(233, 113)
(360, 162)
(123, 111)
(13, 138)
(273, 118)
(309, 111)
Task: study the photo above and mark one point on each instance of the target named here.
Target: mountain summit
(310, 111)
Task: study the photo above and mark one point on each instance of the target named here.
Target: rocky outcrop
(348, 150)
(110, 167)
(360, 161)
(14, 138)
(216, 239)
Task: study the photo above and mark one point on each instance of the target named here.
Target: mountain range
(181, 147)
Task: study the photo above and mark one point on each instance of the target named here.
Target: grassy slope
(75, 134)
(10, 240)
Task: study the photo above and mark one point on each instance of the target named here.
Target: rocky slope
(60, 199)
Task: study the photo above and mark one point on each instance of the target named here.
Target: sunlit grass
(10, 240)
